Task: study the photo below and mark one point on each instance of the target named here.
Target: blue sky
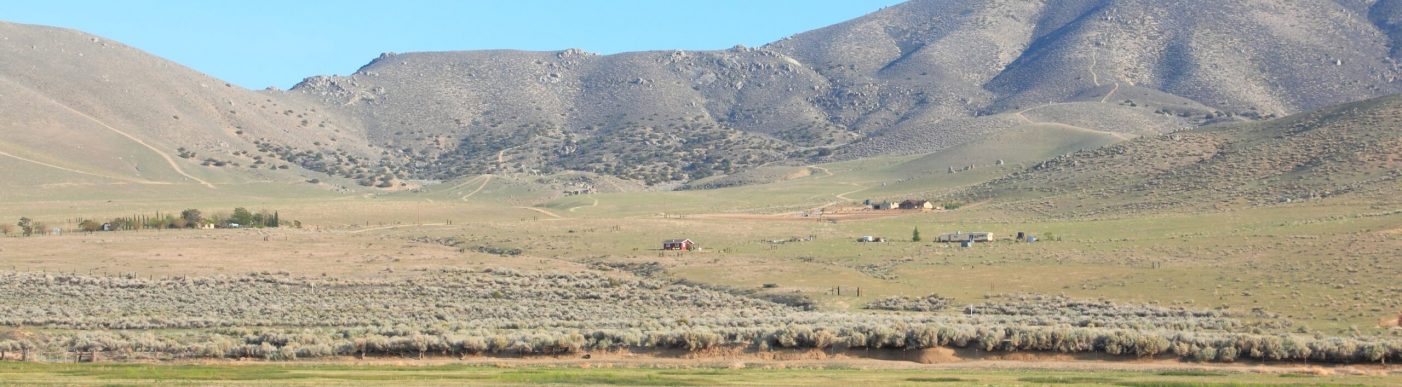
(256, 43)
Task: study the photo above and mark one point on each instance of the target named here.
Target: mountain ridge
(920, 70)
(913, 78)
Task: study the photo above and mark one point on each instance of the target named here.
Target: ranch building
(884, 205)
(965, 236)
(916, 204)
(678, 245)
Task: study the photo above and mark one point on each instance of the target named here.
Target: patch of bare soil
(1391, 321)
(801, 173)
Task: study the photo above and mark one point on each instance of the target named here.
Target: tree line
(190, 218)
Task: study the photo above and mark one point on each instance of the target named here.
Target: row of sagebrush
(848, 335)
(458, 300)
(496, 299)
(1045, 310)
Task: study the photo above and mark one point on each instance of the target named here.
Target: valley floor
(691, 372)
(1321, 272)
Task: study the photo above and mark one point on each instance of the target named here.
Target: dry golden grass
(1326, 265)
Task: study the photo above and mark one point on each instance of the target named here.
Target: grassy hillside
(1349, 150)
(86, 110)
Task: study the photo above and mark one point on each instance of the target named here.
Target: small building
(885, 205)
(869, 238)
(965, 236)
(917, 204)
(678, 245)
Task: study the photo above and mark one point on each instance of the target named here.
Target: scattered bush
(502, 251)
(928, 303)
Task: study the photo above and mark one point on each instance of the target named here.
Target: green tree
(915, 235)
(90, 225)
(26, 226)
(192, 217)
(219, 218)
(120, 224)
(242, 217)
(159, 222)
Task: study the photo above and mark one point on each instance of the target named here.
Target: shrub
(929, 303)
(455, 312)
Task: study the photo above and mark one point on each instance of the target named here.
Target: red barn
(678, 244)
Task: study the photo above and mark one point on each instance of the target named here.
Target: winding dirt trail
(394, 227)
(464, 183)
(169, 160)
(1111, 93)
(595, 204)
(843, 195)
(1095, 78)
(501, 156)
(66, 169)
(1117, 135)
(1024, 118)
(1094, 58)
(487, 179)
(543, 211)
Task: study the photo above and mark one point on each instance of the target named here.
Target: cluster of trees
(263, 218)
(190, 218)
(25, 227)
(187, 219)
